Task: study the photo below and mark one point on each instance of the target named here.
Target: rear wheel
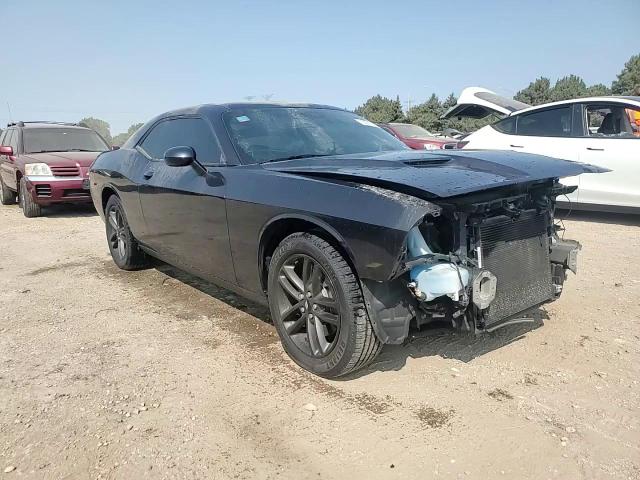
(7, 197)
(29, 207)
(122, 244)
(318, 309)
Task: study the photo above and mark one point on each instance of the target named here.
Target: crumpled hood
(62, 159)
(442, 174)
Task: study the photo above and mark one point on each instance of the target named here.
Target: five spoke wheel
(117, 233)
(307, 305)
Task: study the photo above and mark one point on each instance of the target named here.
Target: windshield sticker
(362, 121)
(242, 119)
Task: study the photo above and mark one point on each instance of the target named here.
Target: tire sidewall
(340, 355)
(29, 207)
(7, 196)
(115, 203)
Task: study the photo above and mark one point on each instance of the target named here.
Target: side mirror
(6, 150)
(179, 156)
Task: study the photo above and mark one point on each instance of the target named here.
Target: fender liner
(390, 307)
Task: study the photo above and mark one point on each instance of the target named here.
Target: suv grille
(517, 253)
(71, 171)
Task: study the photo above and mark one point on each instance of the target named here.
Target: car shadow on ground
(437, 340)
(629, 219)
(69, 211)
(445, 342)
(219, 293)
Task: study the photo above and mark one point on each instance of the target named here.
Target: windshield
(263, 134)
(411, 131)
(37, 140)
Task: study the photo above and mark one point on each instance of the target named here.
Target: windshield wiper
(298, 157)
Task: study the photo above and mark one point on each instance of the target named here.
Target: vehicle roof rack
(22, 124)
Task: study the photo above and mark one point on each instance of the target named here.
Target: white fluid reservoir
(435, 279)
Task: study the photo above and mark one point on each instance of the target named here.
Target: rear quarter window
(506, 125)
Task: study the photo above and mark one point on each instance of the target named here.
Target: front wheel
(318, 309)
(7, 197)
(29, 207)
(123, 246)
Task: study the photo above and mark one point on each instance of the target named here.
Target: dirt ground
(153, 374)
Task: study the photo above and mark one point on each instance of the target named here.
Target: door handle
(148, 174)
(595, 149)
(517, 146)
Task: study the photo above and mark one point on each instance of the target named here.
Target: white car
(602, 131)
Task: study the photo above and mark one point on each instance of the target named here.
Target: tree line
(380, 109)
(104, 129)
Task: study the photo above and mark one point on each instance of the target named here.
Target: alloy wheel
(117, 232)
(307, 305)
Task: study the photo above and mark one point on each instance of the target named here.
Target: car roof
(609, 98)
(218, 107)
(45, 124)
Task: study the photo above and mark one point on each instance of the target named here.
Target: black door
(184, 209)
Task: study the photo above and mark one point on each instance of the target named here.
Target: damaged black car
(348, 236)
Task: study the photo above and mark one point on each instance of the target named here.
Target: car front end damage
(480, 262)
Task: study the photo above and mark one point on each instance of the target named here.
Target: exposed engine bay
(483, 260)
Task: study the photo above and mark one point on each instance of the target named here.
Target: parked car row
(603, 131)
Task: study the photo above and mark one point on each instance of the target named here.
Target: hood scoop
(428, 163)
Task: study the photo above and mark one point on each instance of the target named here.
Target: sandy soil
(109, 374)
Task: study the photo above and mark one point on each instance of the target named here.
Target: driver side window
(175, 132)
(613, 121)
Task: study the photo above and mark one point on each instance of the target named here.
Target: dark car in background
(347, 234)
(45, 163)
(416, 137)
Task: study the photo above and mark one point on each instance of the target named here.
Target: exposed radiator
(516, 251)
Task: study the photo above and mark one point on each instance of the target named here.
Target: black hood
(438, 174)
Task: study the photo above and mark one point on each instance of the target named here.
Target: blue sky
(125, 62)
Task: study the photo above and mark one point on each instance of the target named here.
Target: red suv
(416, 137)
(43, 163)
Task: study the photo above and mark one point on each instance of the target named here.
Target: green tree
(628, 81)
(99, 126)
(569, 87)
(598, 90)
(123, 137)
(449, 102)
(537, 93)
(427, 114)
(380, 109)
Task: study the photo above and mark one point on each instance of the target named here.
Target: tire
(124, 248)
(312, 288)
(7, 197)
(29, 207)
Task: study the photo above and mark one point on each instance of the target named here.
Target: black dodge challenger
(343, 231)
